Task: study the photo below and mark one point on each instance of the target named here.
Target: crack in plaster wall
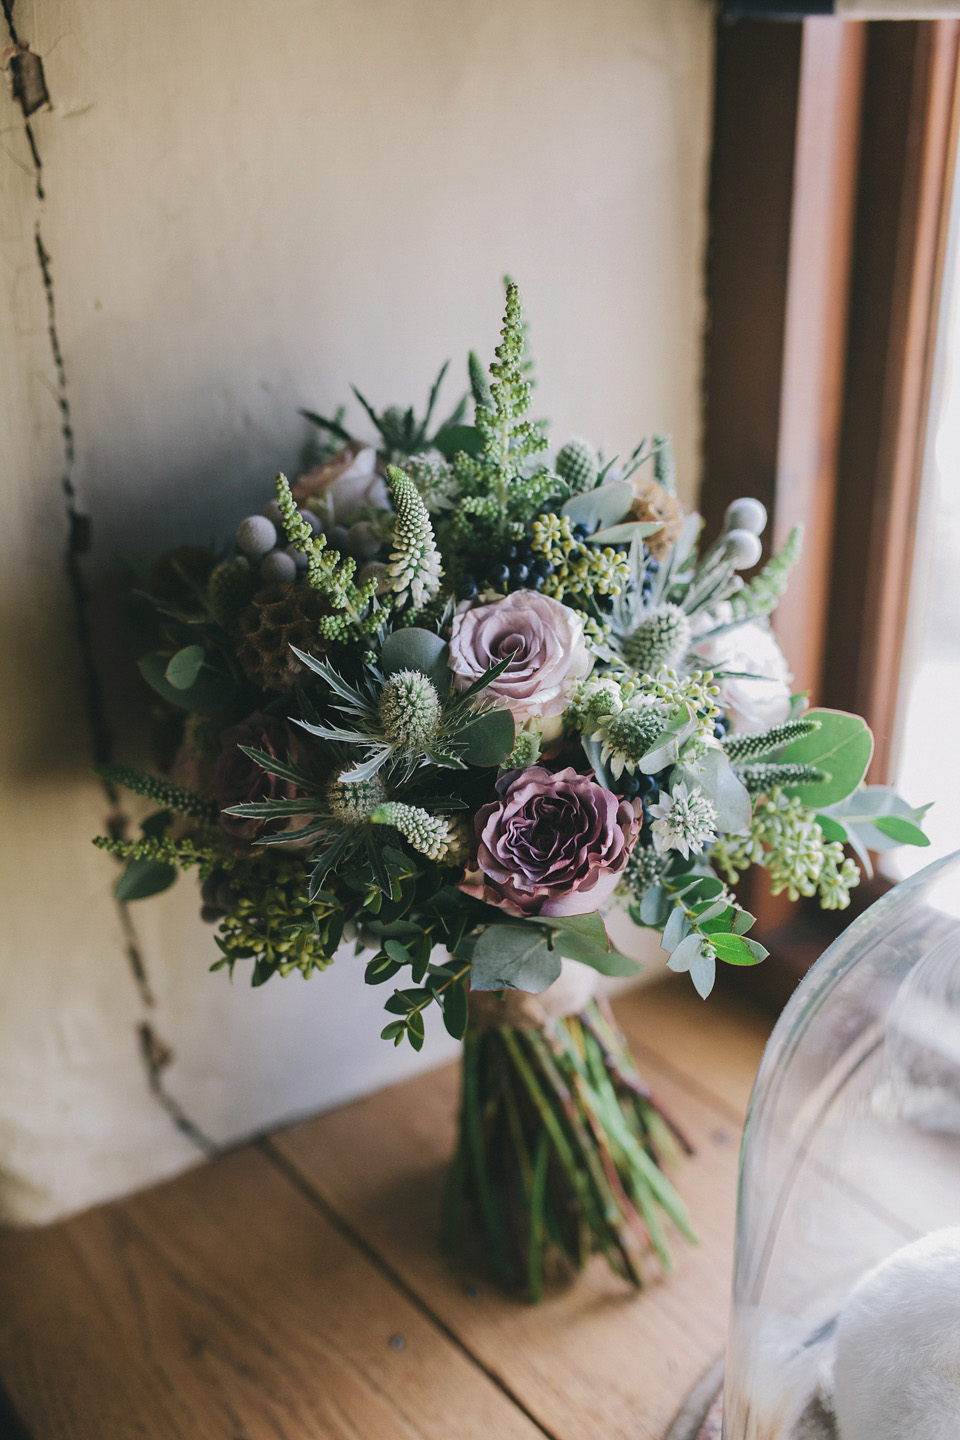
(155, 1054)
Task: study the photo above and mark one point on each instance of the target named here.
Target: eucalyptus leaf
(686, 952)
(676, 928)
(513, 957)
(489, 739)
(654, 906)
(703, 973)
(623, 534)
(207, 693)
(604, 506)
(832, 829)
(417, 649)
(842, 747)
(859, 813)
(737, 950)
(901, 831)
(143, 878)
(184, 667)
(455, 1012)
(453, 438)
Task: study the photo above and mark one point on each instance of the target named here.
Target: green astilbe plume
(761, 595)
(507, 437)
(166, 795)
(330, 574)
(414, 567)
(761, 779)
(741, 749)
(183, 853)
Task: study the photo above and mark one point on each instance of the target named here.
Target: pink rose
(554, 844)
(550, 655)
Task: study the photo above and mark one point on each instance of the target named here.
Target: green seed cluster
(577, 569)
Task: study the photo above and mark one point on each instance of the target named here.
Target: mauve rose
(550, 659)
(237, 779)
(554, 844)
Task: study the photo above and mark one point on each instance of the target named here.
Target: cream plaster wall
(246, 207)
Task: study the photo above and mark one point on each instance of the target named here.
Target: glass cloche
(846, 1297)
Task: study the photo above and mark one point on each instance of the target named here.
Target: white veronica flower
(684, 820)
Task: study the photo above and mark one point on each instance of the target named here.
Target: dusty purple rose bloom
(554, 844)
(237, 779)
(550, 655)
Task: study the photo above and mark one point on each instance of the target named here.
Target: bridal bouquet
(452, 696)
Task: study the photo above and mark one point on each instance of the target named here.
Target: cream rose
(546, 641)
(754, 704)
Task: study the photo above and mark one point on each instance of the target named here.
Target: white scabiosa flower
(683, 820)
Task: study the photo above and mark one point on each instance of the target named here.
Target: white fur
(897, 1369)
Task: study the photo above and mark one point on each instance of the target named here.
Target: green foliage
(171, 797)
(742, 749)
(355, 614)
(785, 838)
(841, 748)
(762, 778)
(702, 924)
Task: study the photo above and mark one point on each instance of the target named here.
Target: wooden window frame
(834, 154)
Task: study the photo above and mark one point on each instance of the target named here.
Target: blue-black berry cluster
(517, 568)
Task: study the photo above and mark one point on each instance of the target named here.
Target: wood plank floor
(294, 1289)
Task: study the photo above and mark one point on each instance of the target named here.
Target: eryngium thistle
(414, 567)
(409, 709)
(628, 736)
(659, 642)
(229, 589)
(435, 836)
(354, 803)
(579, 464)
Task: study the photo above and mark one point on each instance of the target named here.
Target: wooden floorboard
(224, 1306)
(294, 1289)
(594, 1360)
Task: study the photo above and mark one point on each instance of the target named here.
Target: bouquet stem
(560, 1152)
